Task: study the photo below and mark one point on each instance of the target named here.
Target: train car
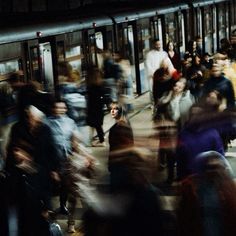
(36, 49)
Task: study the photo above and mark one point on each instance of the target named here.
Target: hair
(183, 79)
(121, 111)
(190, 45)
(155, 40)
(95, 76)
(167, 45)
(64, 68)
(5, 88)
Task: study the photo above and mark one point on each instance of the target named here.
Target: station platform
(144, 135)
(141, 121)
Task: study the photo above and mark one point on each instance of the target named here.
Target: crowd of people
(193, 104)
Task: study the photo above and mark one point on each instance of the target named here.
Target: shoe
(98, 144)
(71, 229)
(62, 210)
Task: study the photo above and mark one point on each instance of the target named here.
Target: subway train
(35, 49)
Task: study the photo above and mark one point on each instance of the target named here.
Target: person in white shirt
(153, 61)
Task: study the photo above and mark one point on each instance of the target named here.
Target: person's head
(180, 85)
(5, 88)
(225, 43)
(196, 60)
(206, 56)
(157, 45)
(95, 76)
(117, 56)
(59, 108)
(214, 98)
(64, 68)
(170, 46)
(192, 46)
(117, 111)
(216, 70)
(211, 161)
(33, 117)
(199, 41)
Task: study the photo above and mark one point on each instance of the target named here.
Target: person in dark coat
(120, 139)
(95, 113)
(221, 84)
(196, 137)
(173, 55)
(134, 208)
(32, 165)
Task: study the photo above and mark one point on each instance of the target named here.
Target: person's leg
(100, 133)
(170, 165)
(71, 217)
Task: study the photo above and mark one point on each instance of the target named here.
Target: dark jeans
(100, 133)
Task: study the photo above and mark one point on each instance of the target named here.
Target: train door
(156, 28)
(33, 61)
(94, 42)
(45, 51)
(144, 45)
(42, 57)
(174, 30)
(128, 45)
(199, 27)
(74, 54)
(208, 32)
(221, 22)
(214, 22)
(181, 33)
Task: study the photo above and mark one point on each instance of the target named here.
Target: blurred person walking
(65, 133)
(220, 83)
(153, 62)
(207, 198)
(95, 105)
(32, 165)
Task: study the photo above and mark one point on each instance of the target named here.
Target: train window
(74, 57)
(145, 41)
(39, 5)
(208, 29)
(46, 66)
(126, 42)
(143, 37)
(130, 43)
(99, 40)
(109, 35)
(20, 6)
(60, 51)
(7, 67)
(199, 22)
(35, 66)
(181, 35)
(156, 29)
(233, 13)
(222, 21)
(171, 28)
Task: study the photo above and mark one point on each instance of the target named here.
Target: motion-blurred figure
(64, 131)
(32, 165)
(134, 208)
(207, 199)
(95, 99)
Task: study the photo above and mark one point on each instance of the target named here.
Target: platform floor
(141, 122)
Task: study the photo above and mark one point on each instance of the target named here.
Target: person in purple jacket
(194, 139)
